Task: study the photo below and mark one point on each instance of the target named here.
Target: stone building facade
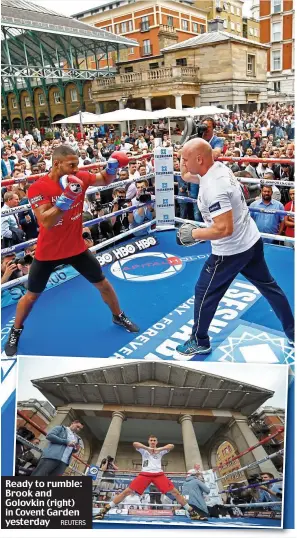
(196, 420)
(214, 68)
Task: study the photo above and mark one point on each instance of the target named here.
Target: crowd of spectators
(266, 134)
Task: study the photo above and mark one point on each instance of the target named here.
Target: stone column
(197, 101)
(121, 104)
(148, 103)
(63, 417)
(191, 448)
(244, 438)
(178, 101)
(111, 441)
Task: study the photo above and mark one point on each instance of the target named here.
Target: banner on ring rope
(12, 295)
(213, 497)
(164, 187)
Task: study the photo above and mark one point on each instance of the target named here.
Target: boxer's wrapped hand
(184, 235)
(73, 187)
(118, 159)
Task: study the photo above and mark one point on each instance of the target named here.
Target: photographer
(107, 466)
(9, 268)
(103, 230)
(264, 494)
(120, 224)
(208, 135)
(145, 213)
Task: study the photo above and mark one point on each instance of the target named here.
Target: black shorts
(85, 263)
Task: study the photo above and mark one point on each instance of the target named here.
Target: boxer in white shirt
(236, 245)
(151, 473)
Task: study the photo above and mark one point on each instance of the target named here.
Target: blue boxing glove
(118, 159)
(73, 187)
(112, 166)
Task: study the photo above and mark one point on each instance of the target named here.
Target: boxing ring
(131, 512)
(154, 279)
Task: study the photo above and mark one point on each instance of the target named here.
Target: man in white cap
(193, 488)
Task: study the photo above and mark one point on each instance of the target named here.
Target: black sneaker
(102, 512)
(11, 345)
(197, 517)
(125, 322)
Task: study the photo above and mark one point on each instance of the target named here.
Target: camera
(98, 206)
(25, 260)
(122, 203)
(254, 479)
(87, 235)
(144, 196)
(109, 459)
(192, 129)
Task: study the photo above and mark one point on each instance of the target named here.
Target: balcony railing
(162, 74)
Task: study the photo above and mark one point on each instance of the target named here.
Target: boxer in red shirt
(57, 201)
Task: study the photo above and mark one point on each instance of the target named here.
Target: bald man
(235, 240)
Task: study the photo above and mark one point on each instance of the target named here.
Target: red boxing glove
(73, 187)
(121, 157)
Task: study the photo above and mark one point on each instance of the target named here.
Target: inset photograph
(164, 443)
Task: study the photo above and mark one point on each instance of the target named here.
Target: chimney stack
(216, 25)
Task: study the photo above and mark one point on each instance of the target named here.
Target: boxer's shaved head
(197, 156)
(62, 152)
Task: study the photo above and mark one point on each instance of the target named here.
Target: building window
(238, 28)
(185, 24)
(232, 26)
(130, 26)
(232, 9)
(145, 25)
(57, 98)
(169, 20)
(117, 28)
(131, 51)
(124, 27)
(276, 31)
(129, 69)
(195, 27)
(251, 64)
(276, 60)
(238, 11)
(202, 28)
(154, 65)
(277, 86)
(147, 49)
(13, 102)
(255, 32)
(73, 95)
(41, 99)
(225, 23)
(27, 101)
(251, 31)
(276, 6)
(181, 61)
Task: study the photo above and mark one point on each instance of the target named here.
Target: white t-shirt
(219, 192)
(151, 463)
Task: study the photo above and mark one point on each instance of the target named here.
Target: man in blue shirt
(271, 223)
(215, 142)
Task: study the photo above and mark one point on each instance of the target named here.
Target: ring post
(164, 188)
